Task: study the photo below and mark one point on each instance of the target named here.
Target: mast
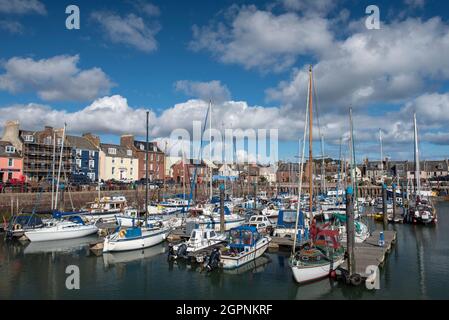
(146, 170)
(60, 165)
(323, 180)
(354, 165)
(417, 164)
(381, 153)
(310, 144)
(210, 150)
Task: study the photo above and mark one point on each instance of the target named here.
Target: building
(85, 157)
(184, 170)
(269, 173)
(39, 150)
(11, 163)
(287, 172)
(156, 158)
(117, 163)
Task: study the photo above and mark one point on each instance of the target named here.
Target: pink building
(11, 163)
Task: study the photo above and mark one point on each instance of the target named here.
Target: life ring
(17, 226)
(122, 233)
(304, 258)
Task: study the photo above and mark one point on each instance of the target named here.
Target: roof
(80, 143)
(152, 146)
(3, 153)
(122, 152)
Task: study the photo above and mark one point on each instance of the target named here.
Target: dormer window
(28, 138)
(142, 147)
(112, 151)
(129, 153)
(10, 149)
(48, 141)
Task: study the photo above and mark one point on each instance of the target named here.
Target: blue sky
(249, 56)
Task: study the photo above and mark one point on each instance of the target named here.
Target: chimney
(95, 140)
(127, 141)
(11, 133)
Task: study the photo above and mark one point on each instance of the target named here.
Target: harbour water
(416, 268)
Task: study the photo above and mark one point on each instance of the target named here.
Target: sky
(251, 58)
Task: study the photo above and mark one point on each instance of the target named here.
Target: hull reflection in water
(254, 266)
(316, 290)
(62, 246)
(110, 258)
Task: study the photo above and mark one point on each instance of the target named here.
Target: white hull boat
(303, 274)
(200, 239)
(61, 231)
(135, 238)
(213, 222)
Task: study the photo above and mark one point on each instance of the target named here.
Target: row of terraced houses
(27, 155)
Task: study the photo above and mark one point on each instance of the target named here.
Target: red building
(11, 163)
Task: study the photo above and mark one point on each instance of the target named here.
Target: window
(151, 166)
(112, 151)
(142, 147)
(129, 153)
(113, 160)
(92, 153)
(91, 164)
(29, 138)
(151, 157)
(91, 176)
(157, 158)
(79, 152)
(121, 160)
(78, 163)
(10, 162)
(59, 141)
(48, 141)
(10, 149)
(113, 170)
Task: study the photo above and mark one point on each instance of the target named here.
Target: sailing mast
(323, 180)
(310, 144)
(53, 172)
(417, 168)
(354, 165)
(210, 150)
(146, 171)
(381, 153)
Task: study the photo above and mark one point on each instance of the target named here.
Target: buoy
(333, 274)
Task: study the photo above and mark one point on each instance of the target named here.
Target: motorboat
(20, 223)
(245, 245)
(261, 222)
(200, 239)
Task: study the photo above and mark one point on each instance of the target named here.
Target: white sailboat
(324, 253)
(73, 227)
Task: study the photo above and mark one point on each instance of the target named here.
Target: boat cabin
(243, 238)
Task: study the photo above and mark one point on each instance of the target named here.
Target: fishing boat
(245, 245)
(66, 227)
(200, 239)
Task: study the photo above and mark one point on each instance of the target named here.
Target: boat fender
(182, 251)
(122, 234)
(355, 279)
(17, 226)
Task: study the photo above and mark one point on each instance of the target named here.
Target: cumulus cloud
(212, 90)
(390, 65)
(54, 79)
(147, 7)
(21, 7)
(262, 40)
(130, 30)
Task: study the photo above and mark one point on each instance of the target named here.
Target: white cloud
(311, 7)
(390, 65)
(261, 39)
(204, 90)
(147, 7)
(54, 79)
(13, 27)
(415, 3)
(22, 7)
(130, 30)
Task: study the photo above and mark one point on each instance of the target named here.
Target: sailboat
(421, 210)
(137, 237)
(323, 253)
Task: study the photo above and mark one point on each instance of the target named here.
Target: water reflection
(110, 259)
(60, 246)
